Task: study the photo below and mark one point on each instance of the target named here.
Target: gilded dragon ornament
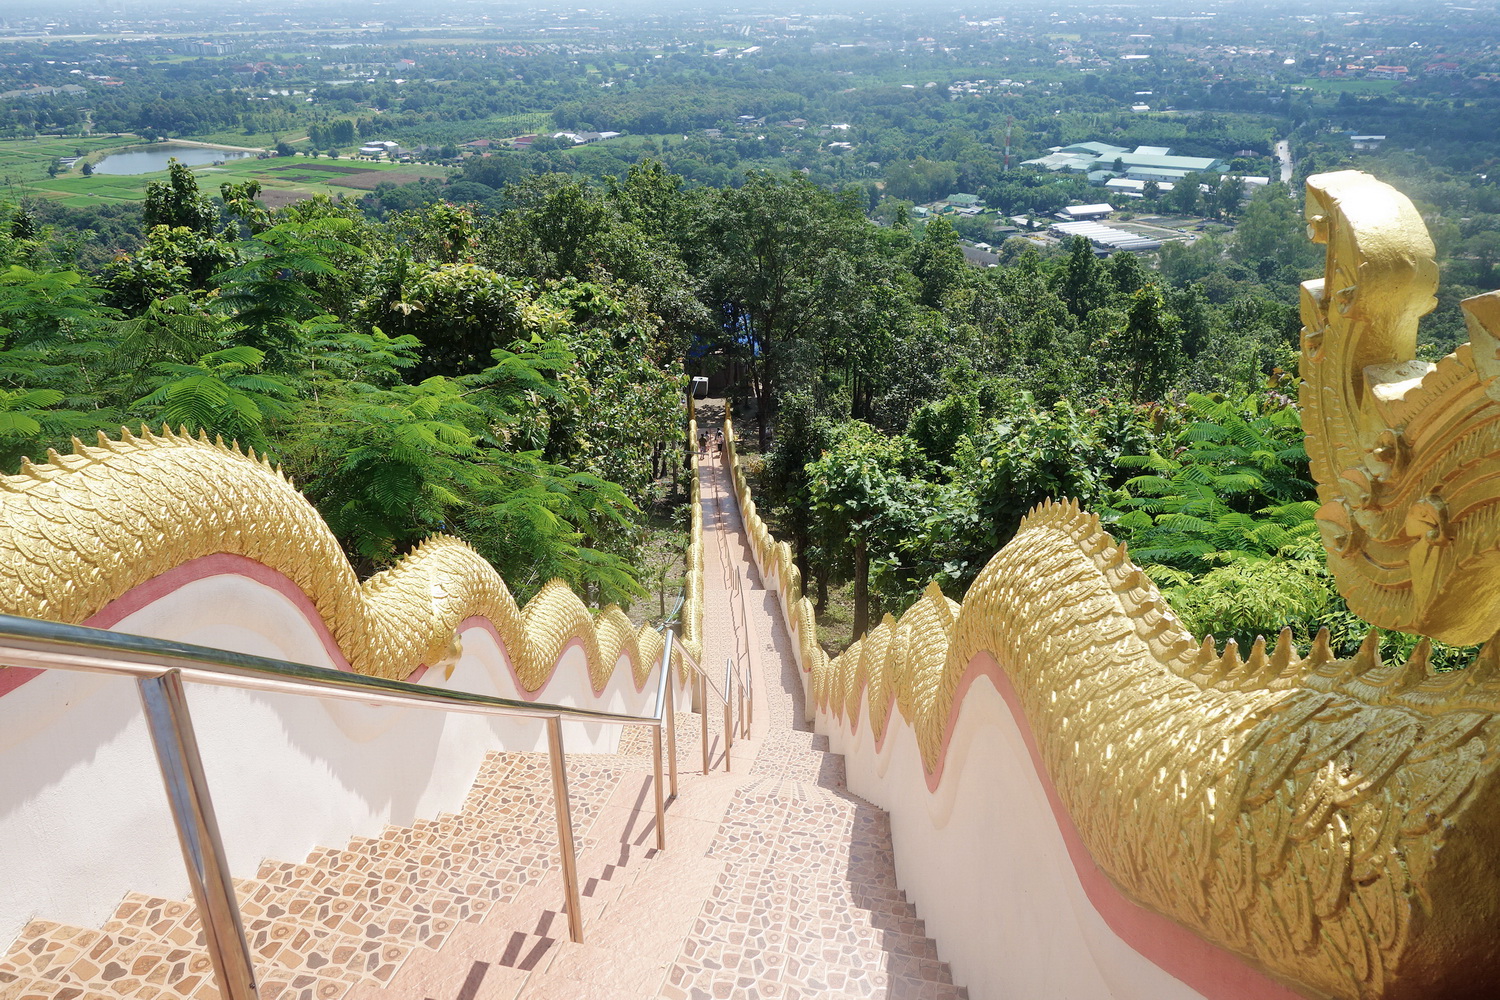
(1334, 822)
(83, 529)
(1404, 451)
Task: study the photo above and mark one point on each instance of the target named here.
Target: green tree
(177, 203)
(1082, 282)
(1022, 456)
(1270, 234)
(271, 290)
(172, 262)
(223, 393)
(782, 259)
(938, 261)
(23, 415)
(1150, 346)
(1185, 194)
(1196, 504)
(860, 495)
(47, 306)
(460, 313)
(242, 201)
(1127, 273)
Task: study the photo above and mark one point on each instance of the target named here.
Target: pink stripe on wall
(225, 564)
(220, 564)
(1216, 973)
(477, 622)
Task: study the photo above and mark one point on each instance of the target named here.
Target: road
(1284, 154)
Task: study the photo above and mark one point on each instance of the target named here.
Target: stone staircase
(776, 881)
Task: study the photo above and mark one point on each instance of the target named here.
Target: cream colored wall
(982, 857)
(83, 818)
(985, 864)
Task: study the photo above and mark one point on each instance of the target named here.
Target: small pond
(145, 159)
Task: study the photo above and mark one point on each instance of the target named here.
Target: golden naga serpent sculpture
(84, 529)
(1334, 822)
(1404, 451)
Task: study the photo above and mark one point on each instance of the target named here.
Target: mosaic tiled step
(635, 743)
(808, 904)
(293, 942)
(435, 869)
(457, 845)
(378, 893)
(60, 961)
(515, 790)
(132, 961)
(455, 835)
(343, 914)
(845, 912)
(347, 919)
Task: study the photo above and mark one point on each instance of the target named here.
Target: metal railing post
(181, 766)
(671, 721)
(749, 670)
(661, 807)
(565, 828)
(728, 714)
(703, 715)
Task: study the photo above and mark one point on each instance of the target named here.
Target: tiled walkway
(805, 902)
(776, 881)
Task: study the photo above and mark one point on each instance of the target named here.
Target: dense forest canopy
(492, 335)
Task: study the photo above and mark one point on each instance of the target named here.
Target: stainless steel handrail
(742, 678)
(747, 681)
(704, 687)
(160, 668)
(737, 587)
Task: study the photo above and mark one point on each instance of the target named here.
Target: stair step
(340, 914)
(517, 858)
(165, 981)
(377, 892)
(455, 836)
(289, 941)
(834, 899)
(176, 922)
(524, 789)
(434, 873)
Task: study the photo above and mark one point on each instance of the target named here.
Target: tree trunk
(822, 601)
(861, 587)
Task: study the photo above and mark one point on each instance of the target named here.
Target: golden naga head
(1406, 453)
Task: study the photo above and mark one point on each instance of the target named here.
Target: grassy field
(26, 160)
(1355, 87)
(283, 181)
(252, 140)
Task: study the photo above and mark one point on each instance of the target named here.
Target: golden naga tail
(84, 529)
(1406, 453)
(1334, 822)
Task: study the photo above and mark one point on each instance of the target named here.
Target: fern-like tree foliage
(23, 414)
(390, 465)
(223, 393)
(1223, 523)
(1234, 487)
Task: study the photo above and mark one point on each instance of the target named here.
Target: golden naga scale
(1335, 823)
(1406, 453)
